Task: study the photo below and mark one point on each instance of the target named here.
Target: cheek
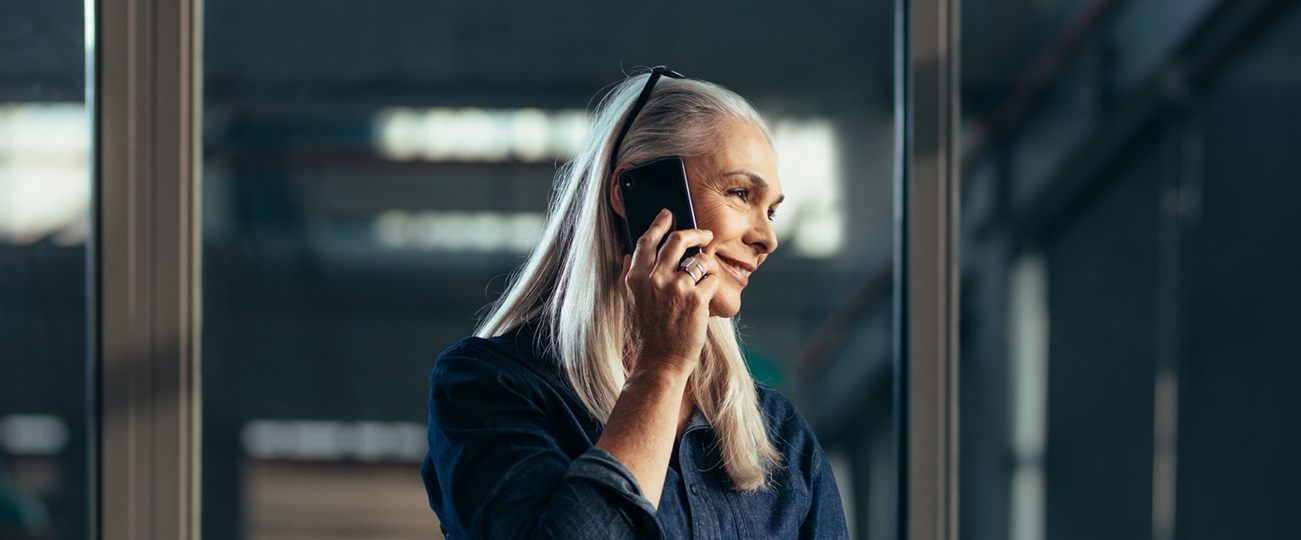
(708, 212)
(721, 218)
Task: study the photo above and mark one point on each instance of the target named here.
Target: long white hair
(571, 283)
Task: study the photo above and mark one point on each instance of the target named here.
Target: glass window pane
(373, 176)
(44, 201)
(1129, 355)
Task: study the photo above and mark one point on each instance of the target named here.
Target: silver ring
(690, 265)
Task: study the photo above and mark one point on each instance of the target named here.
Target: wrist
(659, 375)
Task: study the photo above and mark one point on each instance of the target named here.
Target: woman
(605, 394)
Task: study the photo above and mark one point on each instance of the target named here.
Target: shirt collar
(697, 421)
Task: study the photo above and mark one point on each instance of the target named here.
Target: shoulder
(514, 355)
(478, 372)
(472, 351)
(781, 415)
(503, 347)
(802, 456)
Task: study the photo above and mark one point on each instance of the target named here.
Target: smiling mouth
(734, 268)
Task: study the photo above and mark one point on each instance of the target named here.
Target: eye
(772, 214)
(743, 193)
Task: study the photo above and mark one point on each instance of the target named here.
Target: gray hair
(571, 280)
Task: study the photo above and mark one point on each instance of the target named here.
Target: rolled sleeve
(598, 475)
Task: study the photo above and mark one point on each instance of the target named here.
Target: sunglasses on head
(655, 74)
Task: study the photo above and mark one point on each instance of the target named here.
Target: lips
(739, 270)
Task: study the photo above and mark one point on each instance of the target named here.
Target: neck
(684, 414)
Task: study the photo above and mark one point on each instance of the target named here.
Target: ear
(616, 196)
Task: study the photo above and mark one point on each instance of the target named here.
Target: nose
(761, 234)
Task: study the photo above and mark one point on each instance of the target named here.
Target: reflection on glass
(1128, 331)
(44, 201)
(370, 179)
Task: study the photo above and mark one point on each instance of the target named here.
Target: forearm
(643, 425)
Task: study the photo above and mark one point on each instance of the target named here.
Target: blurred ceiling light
(529, 132)
(44, 172)
(430, 230)
(33, 434)
(398, 132)
(480, 135)
(569, 132)
(325, 440)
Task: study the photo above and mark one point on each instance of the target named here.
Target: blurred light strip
(324, 440)
(480, 135)
(33, 434)
(44, 172)
(812, 218)
(1028, 327)
(452, 231)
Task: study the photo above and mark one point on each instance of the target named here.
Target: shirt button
(694, 491)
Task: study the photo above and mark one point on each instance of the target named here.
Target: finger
(687, 277)
(695, 293)
(643, 255)
(706, 262)
(698, 271)
(684, 284)
(671, 254)
(627, 266)
(707, 287)
(624, 275)
(695, 274)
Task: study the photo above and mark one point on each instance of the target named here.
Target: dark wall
(44, 368)
(1240, 371)
(42, 52)
(1175, 266)
(1102, 300)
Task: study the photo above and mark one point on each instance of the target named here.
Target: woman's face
(734, 192)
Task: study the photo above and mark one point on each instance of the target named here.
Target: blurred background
(372, 176)
(1130, 367)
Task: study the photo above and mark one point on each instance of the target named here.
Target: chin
(724, 307)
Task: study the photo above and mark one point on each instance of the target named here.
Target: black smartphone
(648, 189)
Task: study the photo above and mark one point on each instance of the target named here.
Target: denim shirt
(511, 456)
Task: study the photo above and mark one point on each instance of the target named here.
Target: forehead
(741, 145)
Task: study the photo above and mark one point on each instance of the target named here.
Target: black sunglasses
(655, 74)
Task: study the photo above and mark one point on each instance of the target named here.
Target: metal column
(146, 267)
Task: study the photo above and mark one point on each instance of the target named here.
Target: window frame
(146, 104)
(927, 195)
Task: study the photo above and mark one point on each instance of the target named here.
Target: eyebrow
(757, 182)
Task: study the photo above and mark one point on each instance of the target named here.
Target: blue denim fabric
(511, 456)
